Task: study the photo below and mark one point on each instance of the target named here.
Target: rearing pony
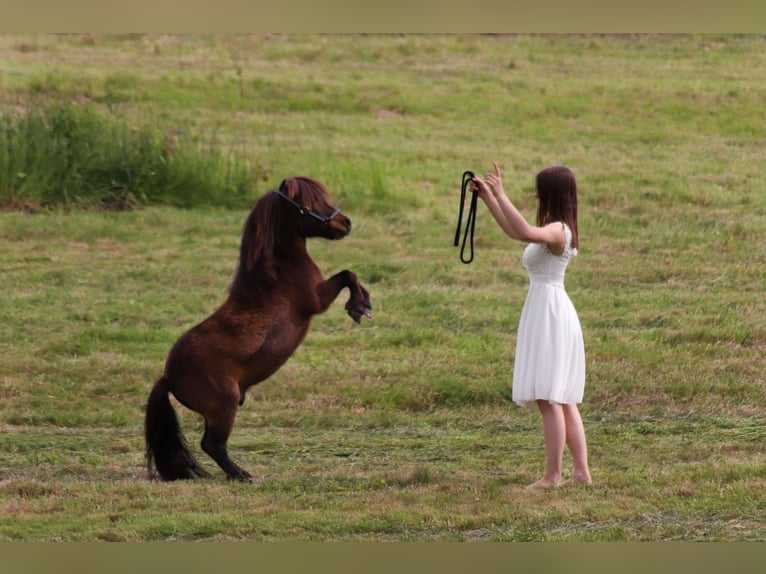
(276, 291)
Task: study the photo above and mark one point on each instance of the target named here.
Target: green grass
(70, 155)
(403, 429)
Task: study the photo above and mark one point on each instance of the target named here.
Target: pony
(276, 291)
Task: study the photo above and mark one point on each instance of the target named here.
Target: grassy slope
(402, 429)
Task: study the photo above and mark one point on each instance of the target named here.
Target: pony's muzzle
(341, 226)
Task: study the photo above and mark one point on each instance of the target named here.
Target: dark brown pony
(275, 293)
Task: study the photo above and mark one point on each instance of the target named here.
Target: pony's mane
(264, 228)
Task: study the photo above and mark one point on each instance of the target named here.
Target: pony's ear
(289, 187)
(259, 236)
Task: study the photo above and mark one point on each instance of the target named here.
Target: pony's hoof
(357, 315)
(243, 476)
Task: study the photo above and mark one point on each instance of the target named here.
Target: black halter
(470, 226)
(308, 211)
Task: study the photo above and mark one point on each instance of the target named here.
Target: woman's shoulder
(568, 249)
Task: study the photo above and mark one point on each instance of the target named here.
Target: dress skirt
(550, 354)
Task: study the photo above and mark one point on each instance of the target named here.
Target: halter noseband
(307, 211)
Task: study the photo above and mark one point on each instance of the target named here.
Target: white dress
(550, 354)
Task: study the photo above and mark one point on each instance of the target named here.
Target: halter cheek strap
(306, 211)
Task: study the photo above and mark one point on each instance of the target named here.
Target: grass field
(402, 429)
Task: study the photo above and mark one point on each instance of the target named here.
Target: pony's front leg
(358, 304)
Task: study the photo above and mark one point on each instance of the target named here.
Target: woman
(549, 368)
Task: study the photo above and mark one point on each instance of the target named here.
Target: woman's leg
(575, 439)
(554, 431)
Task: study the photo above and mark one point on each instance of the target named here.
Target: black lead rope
(470, 225)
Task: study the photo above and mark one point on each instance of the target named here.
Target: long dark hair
(557, 195)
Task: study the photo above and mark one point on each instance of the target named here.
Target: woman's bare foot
(545, 483)
(577, 480)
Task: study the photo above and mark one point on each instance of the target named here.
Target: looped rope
(470, 225)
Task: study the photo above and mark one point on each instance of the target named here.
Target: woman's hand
(491, 186)
(480, 188)
(495, 181)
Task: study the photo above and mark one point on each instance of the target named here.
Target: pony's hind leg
(217, 431)
(166, 446)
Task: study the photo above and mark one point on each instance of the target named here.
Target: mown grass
(403, 429)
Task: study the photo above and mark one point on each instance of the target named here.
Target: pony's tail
(165, 444)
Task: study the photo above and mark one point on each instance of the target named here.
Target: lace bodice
(543, 266)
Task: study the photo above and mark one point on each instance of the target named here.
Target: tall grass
(70, 155)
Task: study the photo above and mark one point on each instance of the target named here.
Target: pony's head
(299, 209)
(308, 207)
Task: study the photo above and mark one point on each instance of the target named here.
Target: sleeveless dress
(550, 354)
